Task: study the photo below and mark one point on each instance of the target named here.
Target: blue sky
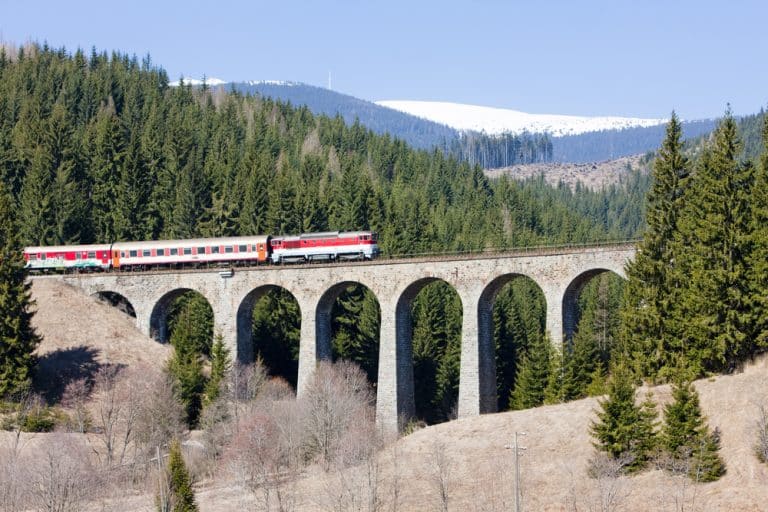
(629, 58)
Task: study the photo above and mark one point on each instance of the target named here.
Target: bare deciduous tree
(13, 476)
(439, 469)
(611, 488)
(338, 397)
(160, 415)
(761, 438)
(75, 398)
(60, 477)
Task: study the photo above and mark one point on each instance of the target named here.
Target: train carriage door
(116, 259)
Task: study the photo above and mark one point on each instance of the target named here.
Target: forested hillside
(98, 148)
(415, 131)
(611, 144)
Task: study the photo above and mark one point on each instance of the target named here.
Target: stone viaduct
(559, 272)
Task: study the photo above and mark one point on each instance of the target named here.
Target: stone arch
(245, 343)
(406, 404)
(571, 295)
(116, 300)
(486, 348)
(323, 316)
(158, 319)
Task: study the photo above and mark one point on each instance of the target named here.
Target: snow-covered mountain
(498, 120)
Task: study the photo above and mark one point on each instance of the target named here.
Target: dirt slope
(594, 175)
(81, 333)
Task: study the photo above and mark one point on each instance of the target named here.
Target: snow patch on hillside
(285, 83)
(494, 121)
(211, 82)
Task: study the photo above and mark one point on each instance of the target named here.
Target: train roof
(325, 234)
(67, 248)
(192, 242)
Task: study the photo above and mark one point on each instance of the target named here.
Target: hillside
(480, 473)
(593, 175)
(80, 334)
(417, 132)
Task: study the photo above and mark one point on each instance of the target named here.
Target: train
(200, 252)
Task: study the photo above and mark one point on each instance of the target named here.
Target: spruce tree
(533, 375)
(220, 365)
(623, 429)
(18, 339)
(187, 369)
(645, 330)
(711, 309)
(758, 259)
(686, 437)
(181, 496)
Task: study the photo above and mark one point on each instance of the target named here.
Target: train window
(174, 252)
(187, 251)
(161, 252)
(215, 249)
(201, 250)
(32, 257)
(146, 253)
(91, 255)
(243, 248)
(133, 254)
(228, 249)
(42, 256)
(77, 256)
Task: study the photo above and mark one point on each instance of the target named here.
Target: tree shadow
(57, 369)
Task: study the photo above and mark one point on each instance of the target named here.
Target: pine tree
(18, 339)
(686, 437)
(220, 366)
(181, 497)
(645, 330)
(624, 429)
